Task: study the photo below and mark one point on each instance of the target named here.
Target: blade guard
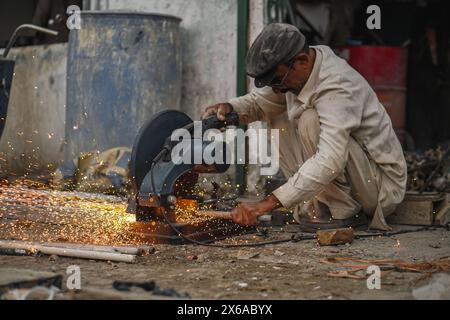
(159, 183)
(153, 189)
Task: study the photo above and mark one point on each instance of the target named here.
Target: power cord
(294, 238)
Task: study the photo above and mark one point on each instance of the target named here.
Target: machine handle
(231, 119)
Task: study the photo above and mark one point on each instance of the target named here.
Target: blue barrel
(122, 68)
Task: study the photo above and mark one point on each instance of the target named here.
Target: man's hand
(221, 110)
(246, 214)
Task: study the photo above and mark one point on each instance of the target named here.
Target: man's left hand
(246, 214)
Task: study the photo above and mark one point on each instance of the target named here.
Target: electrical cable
(294, 238)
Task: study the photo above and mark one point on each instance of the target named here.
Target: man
(337, 144)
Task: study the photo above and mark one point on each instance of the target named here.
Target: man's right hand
(220, 110)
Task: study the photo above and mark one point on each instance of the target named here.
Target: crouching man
(337, 146)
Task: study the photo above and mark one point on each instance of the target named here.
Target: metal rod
(241, 82)
(23, 27)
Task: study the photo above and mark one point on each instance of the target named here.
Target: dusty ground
(283, 271)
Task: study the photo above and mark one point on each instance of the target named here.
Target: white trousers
(354, 191)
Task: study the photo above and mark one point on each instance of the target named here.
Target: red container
(385, 69)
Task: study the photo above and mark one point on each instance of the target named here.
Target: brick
(335, 236)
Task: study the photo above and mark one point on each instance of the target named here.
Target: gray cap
(277, 43)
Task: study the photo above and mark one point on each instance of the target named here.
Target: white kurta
(348, 110)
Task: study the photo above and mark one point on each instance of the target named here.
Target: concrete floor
(301, 270)
(283, 271)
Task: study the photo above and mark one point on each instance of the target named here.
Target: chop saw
(158, 182)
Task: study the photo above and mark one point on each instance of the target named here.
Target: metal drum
(122, 68)
(385, 69)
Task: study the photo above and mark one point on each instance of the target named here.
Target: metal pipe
(241, 81)
(22, 27)
(243, 13)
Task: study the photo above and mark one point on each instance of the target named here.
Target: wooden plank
(443, 212)
(413, 213)
(417, 209)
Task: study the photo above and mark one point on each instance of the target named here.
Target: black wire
(294, 238)
(394, 233)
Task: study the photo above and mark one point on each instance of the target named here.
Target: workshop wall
(33, 139)
(209, 37)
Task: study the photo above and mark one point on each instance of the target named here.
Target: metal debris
(148, 287)
(427, 171)
(387, 266)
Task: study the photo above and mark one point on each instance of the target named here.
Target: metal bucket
(122, 68)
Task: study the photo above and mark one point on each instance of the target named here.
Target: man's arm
(247, 214)
(259, 105)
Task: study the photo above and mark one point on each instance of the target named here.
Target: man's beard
(296, 91)
(299, 89)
